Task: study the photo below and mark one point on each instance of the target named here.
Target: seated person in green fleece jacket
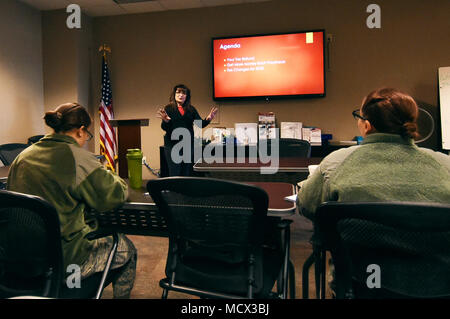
(388, 166)
(60, 170)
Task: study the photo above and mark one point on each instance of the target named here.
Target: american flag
(107, 132)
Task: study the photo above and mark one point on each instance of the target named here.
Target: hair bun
(53, 119)
(410, 130)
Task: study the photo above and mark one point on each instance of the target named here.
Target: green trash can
(134, 160)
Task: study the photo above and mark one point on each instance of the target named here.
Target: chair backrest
(400, 248)
(291, 147)
(8, 152)
(34, 139)
(31, 261)
(222, 217)
(210, 209)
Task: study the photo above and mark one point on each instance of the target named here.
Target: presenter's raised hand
(212, 113)
(163, 115)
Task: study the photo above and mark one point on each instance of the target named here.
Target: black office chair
(404, 246)
(34, 139)
(291, 147)
(30, 247)
(217, 244)
(287, 147)
(8, 152)
(31, 260)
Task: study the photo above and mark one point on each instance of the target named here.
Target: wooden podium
(128, 136)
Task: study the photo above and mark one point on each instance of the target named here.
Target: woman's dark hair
(391, 111)
(67, 116)
(185, 89)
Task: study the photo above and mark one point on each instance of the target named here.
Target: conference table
(276, 192)
(140, 215)
(288, 169)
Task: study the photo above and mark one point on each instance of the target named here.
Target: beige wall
(60, 60)
(21, 87)
(152, 52)
(67, 62)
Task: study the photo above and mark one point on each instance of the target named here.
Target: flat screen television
(269, 66)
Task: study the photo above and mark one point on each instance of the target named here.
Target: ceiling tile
(90, 3)
(256, 0)
(48, 4)
(212, 3)
(97, 11)
(109, 7)
(180, 4)
(142, 7)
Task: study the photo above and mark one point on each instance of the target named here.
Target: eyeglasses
(180, 92)
(357, 115)
(89, 134)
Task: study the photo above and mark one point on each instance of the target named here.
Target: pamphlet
(246, 133)
(291, 130)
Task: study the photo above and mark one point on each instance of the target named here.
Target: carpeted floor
(152, 253)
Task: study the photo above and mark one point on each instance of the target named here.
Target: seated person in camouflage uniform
(60, 170)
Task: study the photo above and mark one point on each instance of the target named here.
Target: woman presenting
(180, 113)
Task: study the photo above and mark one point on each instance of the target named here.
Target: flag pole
(112, 158)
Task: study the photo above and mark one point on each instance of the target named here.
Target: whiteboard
(444, 97)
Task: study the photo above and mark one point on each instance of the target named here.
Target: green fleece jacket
(57, 169)
(385, 167)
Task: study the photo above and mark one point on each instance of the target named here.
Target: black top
(177, 120)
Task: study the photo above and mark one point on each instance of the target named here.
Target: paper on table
(316, 136)
(246, 133)
(291, 130)
(266, 131)
(292, 198)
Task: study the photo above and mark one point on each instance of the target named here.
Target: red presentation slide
(288, 64)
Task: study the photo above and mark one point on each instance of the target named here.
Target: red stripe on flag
(106, 141)
(108, 138)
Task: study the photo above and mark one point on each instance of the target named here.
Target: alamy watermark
(374, 19)
(213, 153)
(74, 279)
(374, 279)
(73, 21)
